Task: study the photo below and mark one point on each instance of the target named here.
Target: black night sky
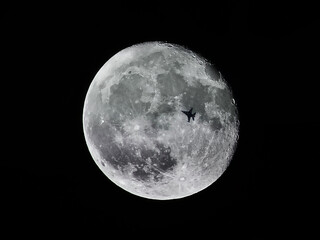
(265, 50)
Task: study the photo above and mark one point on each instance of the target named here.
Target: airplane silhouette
(189, 114)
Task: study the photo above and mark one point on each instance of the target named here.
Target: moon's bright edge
(136, 132)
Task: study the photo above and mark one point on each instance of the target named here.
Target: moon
(136, 131)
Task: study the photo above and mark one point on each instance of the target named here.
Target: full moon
(137, 133)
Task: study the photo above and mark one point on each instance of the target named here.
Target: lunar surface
(137, 133)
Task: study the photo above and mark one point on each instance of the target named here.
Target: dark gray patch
(123, 96)
(177, 65)
(141, 174)
(120, 157)
(165, 108)
(153, 117)
(164, 159)
(215, 123)
(223, 99)
(171, 84)
(156, 58)
(196, 97)
(122, 101)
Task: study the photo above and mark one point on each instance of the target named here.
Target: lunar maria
(136, 131)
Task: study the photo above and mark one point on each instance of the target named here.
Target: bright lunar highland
(136, 132)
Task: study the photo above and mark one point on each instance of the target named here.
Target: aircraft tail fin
(193, 115)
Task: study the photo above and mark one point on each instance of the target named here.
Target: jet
(189, 114)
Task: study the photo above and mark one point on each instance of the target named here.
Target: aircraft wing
(185, 112)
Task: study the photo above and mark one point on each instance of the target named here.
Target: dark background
(265, 49)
